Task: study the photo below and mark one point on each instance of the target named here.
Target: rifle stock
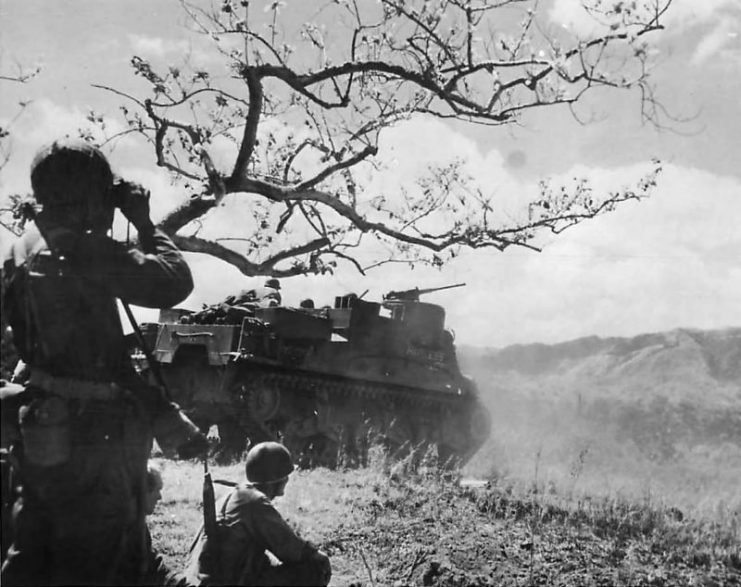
(209, 504)
(210, 525)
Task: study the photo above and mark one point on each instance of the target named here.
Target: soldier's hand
(213, 436)
(133, 201)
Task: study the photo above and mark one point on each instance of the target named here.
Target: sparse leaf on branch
(296, 115)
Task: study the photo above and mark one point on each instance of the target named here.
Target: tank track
(349, 413)
(338, 387)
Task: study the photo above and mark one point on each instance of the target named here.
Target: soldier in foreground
(247, 525)
(85, 421)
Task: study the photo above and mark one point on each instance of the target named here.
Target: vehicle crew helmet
(71, 177)
(268, 462)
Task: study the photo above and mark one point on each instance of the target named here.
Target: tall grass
(404, 522)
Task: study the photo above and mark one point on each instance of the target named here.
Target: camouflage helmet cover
(273, 283)
(268, 462)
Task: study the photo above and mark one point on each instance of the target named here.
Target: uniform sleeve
(276, 534)
(154, 275)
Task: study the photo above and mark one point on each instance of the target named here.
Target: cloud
(724, 36)
(157, 46)
(667, 262)
(681, 16)
(691, 214)
(408, 150)
(41, 122)
(199, 51)
(684, 14)
(45, 120)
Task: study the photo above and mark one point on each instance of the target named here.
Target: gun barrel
(413, 294)
(431, 289)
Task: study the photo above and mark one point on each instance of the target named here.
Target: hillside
(661, 390)
(682, 366)
(657, 413)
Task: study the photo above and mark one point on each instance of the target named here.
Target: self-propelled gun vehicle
(328, 382)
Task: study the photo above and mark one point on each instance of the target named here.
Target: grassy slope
(390, 526)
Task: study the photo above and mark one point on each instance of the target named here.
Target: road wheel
(262, 399)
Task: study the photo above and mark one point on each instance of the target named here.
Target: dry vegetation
(575, 455)
(404, 525)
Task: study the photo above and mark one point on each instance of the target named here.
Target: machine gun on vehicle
(412, 295)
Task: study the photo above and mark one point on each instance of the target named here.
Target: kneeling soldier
(248, 525)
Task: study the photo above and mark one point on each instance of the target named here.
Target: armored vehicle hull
(329, 383)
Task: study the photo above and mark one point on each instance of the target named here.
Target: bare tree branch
(254, 86)
(306, 135)
(194, 244)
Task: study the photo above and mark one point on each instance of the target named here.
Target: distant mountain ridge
(683, 365)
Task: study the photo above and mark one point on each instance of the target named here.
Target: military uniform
(86, 420)
(265, 296)
(248, 526)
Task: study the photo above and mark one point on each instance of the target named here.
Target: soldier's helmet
(268, 462)
(272, 282)
(70, 176)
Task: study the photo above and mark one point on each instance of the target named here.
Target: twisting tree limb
(306, 130)
(254, 86)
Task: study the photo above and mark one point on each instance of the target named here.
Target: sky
(672, 261)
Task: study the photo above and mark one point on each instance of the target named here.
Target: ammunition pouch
(46, 421)
(46, 431)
